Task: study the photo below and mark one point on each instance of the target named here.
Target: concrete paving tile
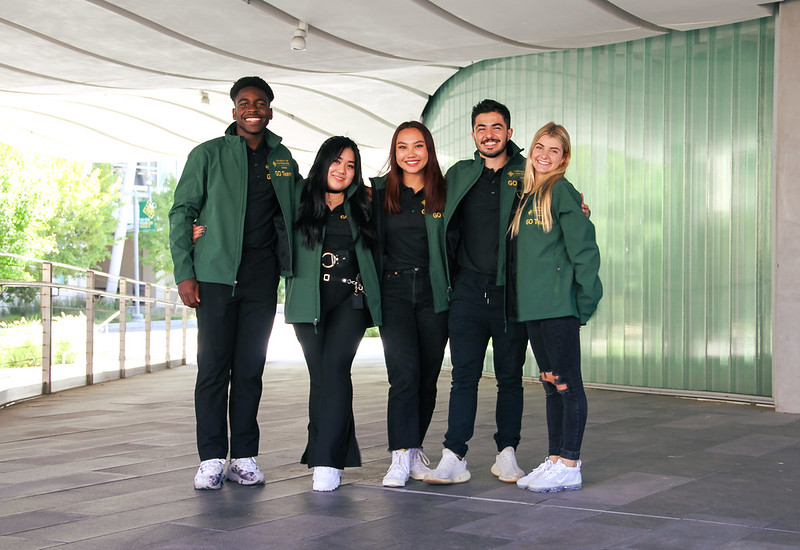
(92, 527)
(765, 540)
(700, 421)
(151, 537)
(623, 489)
(24, 544)
(404, 532)
(291, 533)
(687, 535)
(754, 445)
(28, 486)
(18, 523)
(577, 537)
(524, 521)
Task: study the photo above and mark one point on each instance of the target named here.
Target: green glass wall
(672, 148)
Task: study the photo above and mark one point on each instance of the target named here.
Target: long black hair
(312, 213)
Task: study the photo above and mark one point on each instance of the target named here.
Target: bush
(21, 342)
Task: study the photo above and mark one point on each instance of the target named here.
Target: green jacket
(557, 272)
(437, 255)
(302, 286)
(460, 179)
(212, 192)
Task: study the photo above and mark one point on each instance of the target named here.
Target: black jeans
(477, 314)
(329, 349)
(233, 328)
(557, 347)
(414, 338)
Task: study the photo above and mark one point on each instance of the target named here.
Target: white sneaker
(398, 471)
(505, 466)
(244, 471)
(209, 474)
(326, 478)
(451, 469)
(557, 478)
(524, 482)
(418, 464)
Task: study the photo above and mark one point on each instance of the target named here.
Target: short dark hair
(255, 81)
(491, 106)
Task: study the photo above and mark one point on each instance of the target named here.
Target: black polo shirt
(479, 222)
(262, 203)
(406, 235)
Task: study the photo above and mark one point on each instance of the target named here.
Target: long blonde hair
(541, 194)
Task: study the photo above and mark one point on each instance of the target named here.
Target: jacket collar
(272, 139)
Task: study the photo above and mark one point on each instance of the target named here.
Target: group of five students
(502, 241)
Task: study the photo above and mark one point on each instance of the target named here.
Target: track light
(204, 97)
(298, 42)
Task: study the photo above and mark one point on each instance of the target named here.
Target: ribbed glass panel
(672, 148)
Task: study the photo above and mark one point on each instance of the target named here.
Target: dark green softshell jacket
(212, 191)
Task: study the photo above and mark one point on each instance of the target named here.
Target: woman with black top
(407, 205)
(332, 296)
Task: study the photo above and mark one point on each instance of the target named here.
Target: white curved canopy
(123, 79)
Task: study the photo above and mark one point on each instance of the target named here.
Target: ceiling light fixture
(298, 42)
(204, 97)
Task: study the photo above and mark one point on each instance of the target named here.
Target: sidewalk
(111, 467)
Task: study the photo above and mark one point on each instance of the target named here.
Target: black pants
(476, 315)
(233, 331)
(414, 338)
(329, 349)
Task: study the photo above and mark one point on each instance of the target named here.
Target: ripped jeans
(556, 346)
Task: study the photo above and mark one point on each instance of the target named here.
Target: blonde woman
(554, 288)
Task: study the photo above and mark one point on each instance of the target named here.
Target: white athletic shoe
(451, 469)
(399, 470)
(505, 466)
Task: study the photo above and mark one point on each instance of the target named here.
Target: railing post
(46, 305)
(168, 324)
(148, 318)
(123, 311)
(90, 300)
(185, 317)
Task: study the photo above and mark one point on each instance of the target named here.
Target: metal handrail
(46, 287)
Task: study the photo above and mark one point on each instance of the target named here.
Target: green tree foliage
(54, 209)
(155, 244)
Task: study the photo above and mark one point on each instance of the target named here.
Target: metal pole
(148, 318)
(90, 300)
(123, 290)
(168, 323)
(46, 305)
(137, 312)
(185, 324)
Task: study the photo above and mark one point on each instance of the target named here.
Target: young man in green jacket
(480, 197)
(240, 189)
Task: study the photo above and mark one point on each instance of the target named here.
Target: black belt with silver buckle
(358, 288)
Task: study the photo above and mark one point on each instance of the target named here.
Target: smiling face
(251, 112)
(411, 151)
(547, 154)
(342, 171)
(491, 134)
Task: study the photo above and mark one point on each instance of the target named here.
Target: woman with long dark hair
(332, 296)
(407, 203)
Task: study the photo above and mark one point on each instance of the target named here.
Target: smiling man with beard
(480, 198)
(239, 188)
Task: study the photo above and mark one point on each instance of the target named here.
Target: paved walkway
(111, 467)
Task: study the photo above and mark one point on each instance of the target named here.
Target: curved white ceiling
(122, 79)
